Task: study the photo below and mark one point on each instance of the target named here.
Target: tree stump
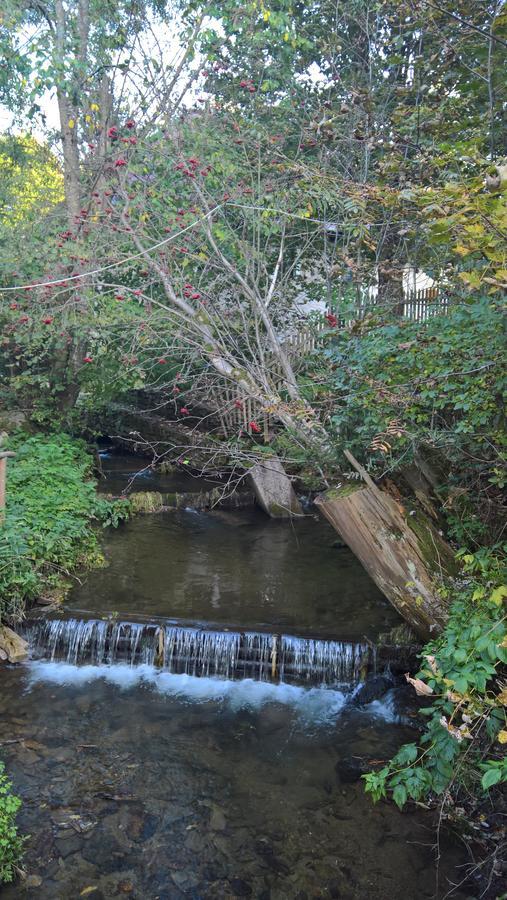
(399, 547)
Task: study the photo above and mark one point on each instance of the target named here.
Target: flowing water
(205, 742)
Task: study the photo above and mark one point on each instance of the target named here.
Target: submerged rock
(350, 770)
(372, 689)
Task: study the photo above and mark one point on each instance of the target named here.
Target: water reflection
(240, 569)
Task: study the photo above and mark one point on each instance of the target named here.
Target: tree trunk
(66, 108)
(390, 275)
(400, 549)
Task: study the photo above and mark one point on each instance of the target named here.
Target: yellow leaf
(286, 36)
(502, 737)
(498, 595)
(71, 123)
(502, 697)
(88, 890)
(94, 107)
(472, 279)
(475, 229)
(266, 15)
(88, 118)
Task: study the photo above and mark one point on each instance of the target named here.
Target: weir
(198, 651)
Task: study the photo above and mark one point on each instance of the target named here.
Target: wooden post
(273, 655)
(4, 456)
(3, 475)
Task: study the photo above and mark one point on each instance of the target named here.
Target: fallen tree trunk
(400, 549)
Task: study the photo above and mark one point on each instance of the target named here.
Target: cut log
(273, 489)
(400, 549)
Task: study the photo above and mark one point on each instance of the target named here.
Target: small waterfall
(327, 661)
(95, 641)
(194, 651)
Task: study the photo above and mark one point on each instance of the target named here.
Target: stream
(189, 727)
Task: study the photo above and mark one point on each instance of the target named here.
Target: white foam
(386, 709)
(313, 704)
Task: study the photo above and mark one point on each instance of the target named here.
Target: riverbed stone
(349, 770)
(13, 648)
(218, 821)
(240, 887)
(68, 845)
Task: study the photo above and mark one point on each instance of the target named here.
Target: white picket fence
(237, 413)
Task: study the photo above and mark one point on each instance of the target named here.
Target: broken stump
(399, 547)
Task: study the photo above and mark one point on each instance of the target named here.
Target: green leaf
(491, 777)
(400, 795)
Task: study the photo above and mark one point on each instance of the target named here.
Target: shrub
(462, 746)
(52, 506)
(11, 844)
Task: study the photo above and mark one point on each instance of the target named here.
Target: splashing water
(197, 652)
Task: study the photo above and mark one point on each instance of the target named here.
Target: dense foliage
(11, 844)
(223, 166)
(461, 752)
(396, 390)
(51, 512)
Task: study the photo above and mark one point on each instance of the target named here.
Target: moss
(167, 468)
(147, 502)
(401, 636)
(433, 550)
(277, 511)
(345, 490)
